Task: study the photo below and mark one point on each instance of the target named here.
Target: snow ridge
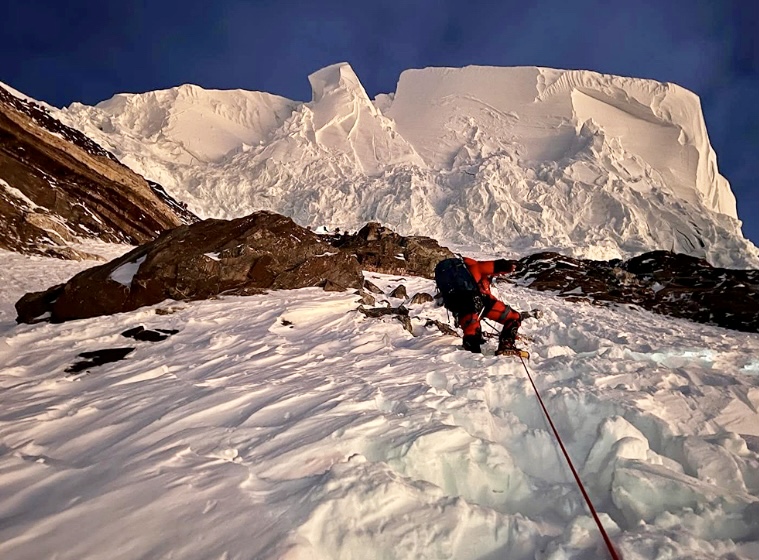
(505, 159)
(344, 120)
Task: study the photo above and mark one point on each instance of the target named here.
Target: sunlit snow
(288, 425)
(502, 159)
(125, 273)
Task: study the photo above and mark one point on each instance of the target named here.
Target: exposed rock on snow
(420, 298)
(98, 358)
(244, 256)
(399, 292)
(268, 251)
(505, 159)
(380, 249)
(671, 284)
(148, 335)
(57, 186)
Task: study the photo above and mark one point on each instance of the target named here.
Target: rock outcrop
(57, 186)
(661, 281)
(380, 249)
(267, 251)
(263, 251)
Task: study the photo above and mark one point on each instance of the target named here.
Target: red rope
(612, 551)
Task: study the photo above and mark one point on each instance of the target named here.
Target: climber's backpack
(457, 287)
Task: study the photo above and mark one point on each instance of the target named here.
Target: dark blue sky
(61, 52)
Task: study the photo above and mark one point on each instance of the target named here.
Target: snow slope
(183, 126)
(291, 426)
(508, 159)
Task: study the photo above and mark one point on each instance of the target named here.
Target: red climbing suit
(494, 309)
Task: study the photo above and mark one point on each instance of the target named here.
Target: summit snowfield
(501, 159)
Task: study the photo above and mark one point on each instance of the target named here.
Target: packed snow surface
(289, 425)
(506, 159)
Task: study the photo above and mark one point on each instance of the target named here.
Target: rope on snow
(613, 554)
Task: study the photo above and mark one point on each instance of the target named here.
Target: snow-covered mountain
(504, 159)
(289, 425)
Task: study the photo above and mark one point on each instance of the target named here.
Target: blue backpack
(457, 287)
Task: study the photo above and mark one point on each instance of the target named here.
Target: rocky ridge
(380, 249)
(664, 282)
(58, 186)
(263, 251)
(267, 251)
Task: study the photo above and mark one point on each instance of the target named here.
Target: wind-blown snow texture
(289, 425)
(502, 159)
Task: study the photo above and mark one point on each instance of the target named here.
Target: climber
(464, 285)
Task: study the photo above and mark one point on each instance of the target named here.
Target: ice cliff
(503, 159)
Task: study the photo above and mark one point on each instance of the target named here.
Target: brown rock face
(56, 185)
(379, 249)
(671, 284)
(266, 251)
(263, 251)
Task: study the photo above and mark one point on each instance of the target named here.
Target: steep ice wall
(344, 120)
(539, 111)
(507, 159)
(661, 123)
